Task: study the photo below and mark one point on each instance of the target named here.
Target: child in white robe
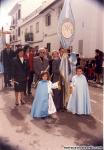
(79, 100)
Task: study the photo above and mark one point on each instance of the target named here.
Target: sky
(5, 7)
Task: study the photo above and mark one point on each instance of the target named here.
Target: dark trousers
(30, 82)
(7, 78)
(58, 99)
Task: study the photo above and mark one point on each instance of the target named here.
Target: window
(48, 20)
(19, 14)
(29, 37)
(37, 27)
(13, 20)
(19, 32)
(49, 46)
(80, 47)
(16, 18)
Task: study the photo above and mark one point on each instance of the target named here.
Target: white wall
(28, 6)
(50, 32)
(16, 25)
(88, 25)
(88, 18)
(37, 36)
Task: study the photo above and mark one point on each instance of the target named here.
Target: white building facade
(15, 37)
(39, 29)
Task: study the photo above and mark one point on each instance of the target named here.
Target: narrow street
(17, 127)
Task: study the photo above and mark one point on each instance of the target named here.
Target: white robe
(79, 101)
(73, 67)
(51, 106)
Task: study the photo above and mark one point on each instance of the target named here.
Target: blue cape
(40, 103)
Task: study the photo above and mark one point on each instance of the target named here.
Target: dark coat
(7, 59)
(55, 70)
(39, 65)
(20, 71)
(98, 64)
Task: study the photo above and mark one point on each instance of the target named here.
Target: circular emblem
(67, 29)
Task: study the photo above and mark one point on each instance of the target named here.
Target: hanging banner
(66, 25)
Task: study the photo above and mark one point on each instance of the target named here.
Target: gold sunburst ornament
(67, 29)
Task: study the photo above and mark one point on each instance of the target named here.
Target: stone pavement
(94, 84)
(19, 129)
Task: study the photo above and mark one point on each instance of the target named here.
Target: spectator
(90, 71)
(29, 54)
(7, 58)
(86, 69)
(78, 60)
(20, 75)
(40, 63)
(68, 51)
(49, 57)
(26, 56)
(47, 54)
(98, 64)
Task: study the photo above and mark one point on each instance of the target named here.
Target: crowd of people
(25, 66)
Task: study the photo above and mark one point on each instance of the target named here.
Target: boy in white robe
(79, 101)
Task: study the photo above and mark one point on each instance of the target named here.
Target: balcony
(29, 37)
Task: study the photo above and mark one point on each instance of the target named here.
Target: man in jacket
(40, 63)
(7, 58)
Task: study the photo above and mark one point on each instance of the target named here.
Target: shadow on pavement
(84, 129)
(5, 145)
(16, 117)
(17, 114)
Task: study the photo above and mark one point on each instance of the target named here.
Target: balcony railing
(29, 37)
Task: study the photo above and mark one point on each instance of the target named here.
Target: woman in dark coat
(20, 73)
